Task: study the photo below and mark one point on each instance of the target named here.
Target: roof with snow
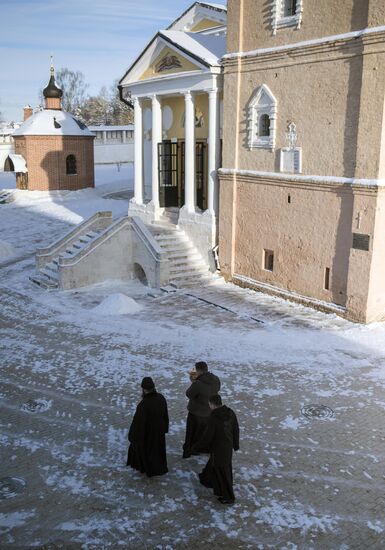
(197, 12)
(52, 122)
(206, 48)
(198, 35)
(19, 164)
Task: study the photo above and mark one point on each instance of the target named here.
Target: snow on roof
(19, 163)
(52, 122)
(214, 5)
(207, 48)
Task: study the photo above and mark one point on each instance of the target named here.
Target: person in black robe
(221, 437)
(204, 384)
(147, 434)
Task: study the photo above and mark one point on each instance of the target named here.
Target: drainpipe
(128, 102)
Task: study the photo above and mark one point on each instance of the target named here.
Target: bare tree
(121, 113)
(74, 89)
(106, 108)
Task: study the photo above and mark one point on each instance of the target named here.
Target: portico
(176, 90)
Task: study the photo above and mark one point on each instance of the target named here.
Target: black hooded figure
(220, 437)
(203, 385)
(147, 435)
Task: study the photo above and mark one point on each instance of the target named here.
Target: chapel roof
(52, 89)
(52, 122)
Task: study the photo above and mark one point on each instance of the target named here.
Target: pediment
(161, 58)
(168, 61)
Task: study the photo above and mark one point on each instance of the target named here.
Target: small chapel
(53, 149)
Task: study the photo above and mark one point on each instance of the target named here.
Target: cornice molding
(327, 44)
(302, 180)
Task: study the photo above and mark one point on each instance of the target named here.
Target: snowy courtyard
(308, 389)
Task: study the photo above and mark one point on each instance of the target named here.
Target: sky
(100, 38)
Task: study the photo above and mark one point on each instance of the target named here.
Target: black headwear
(148, 383)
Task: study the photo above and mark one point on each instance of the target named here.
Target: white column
(213, 152)
(138, 152)
(156, 138)
(104, 136)
(124, 136)
(189, 173)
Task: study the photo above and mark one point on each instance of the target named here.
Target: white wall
(5, 150)
(113, 153)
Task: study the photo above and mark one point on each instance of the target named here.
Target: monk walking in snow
(204, 384)
(147, 435)
(220, 437)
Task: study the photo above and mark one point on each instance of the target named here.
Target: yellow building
(175, 86)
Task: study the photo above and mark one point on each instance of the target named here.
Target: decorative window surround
(290, 161)
(279, 20)
(263, 104)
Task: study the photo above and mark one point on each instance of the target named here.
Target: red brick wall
(46, 161)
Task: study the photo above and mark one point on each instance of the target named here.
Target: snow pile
(117, 304)
(6, 251)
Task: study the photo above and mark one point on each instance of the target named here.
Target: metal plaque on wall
(360, 241)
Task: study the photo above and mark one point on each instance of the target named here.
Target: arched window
(71, 165)
(262, 118)
(264, 126)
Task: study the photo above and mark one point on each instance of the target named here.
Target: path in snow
(299, 482)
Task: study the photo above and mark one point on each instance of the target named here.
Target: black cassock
(221, 437)
(147, 436)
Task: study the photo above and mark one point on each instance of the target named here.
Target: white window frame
(256, 110)
(279, 21)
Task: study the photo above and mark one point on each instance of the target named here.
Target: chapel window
(262, 118)
(71, 165)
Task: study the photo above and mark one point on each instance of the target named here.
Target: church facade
(302, 196)
(175, 87)
(53, 149)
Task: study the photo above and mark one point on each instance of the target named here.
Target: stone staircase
(6, 196)
(187, 267)
(48, 276)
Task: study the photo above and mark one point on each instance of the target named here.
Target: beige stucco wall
(335, 95)
(337, 115)
(319, 18)
(303, 240)
(376, 286)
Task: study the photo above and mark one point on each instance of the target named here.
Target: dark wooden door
(200, 173)
(168, 173)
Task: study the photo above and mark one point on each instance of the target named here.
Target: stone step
(186, 275)
(49, 274)
(85, 239)
(187, 272)
(162, 238)
(52, 267)
(44, 282)
(182, 255)
(187, 261)
(177, 247)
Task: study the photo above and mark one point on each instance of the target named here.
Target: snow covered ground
(300, 483)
